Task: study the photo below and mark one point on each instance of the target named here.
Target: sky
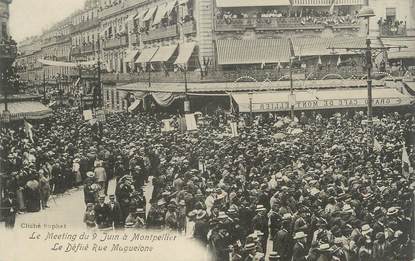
(29, 17)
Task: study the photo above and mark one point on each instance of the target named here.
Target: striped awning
(146, 55)
(316, 46)
(312, 2)
(150, 13)
(253, 51)
(403, 53)
(185, 51)
(170, 6)
(161, 12)
(249, 3)
(130, 56)
(164, 53)
(31, 110)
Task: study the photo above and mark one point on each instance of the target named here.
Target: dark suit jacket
(299, 252)
(102, 215)
(7, 207)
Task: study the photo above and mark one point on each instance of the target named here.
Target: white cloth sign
(234, 128)
(88, 115)
(191, 122)
(167, 125)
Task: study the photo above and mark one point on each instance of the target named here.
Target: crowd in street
(312, 186)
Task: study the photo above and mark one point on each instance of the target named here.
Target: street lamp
(367, 13)
(251, 115)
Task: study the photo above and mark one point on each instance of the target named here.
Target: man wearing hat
(274, 256)
(282, 243)
(102, 213)
(201, 227)
(115, 217)
(249, 252)
(299, 250)
(260, 222)
(9, 210)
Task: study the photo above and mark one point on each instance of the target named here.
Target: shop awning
(349, 2)
(304, 46)
(164, 53)
(320, 99)
(185, 51)
(131, 55)
(31, 110)
(249, 3)
(403, 53)
(170, 6)
(312, 2)
(146, 55)
(150, 13)
(142, 14)
(161, 12)
(253, 51)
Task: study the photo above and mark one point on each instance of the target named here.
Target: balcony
(115, 43)
(160, 33)
(126, 4)
(189, 27)
(8, 51)
(392, 30)
(85, 26)
(88, 48)
(230, 76)
(56, 40)
(285, 23)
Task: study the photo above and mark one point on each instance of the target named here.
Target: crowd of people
(311, 186)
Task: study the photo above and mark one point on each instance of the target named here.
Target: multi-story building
(26, 63)
(160, 44)
(56, 46)
(85, 32)
(8, 50)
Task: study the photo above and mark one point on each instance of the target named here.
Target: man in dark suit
(9, 210)
(283, 241)
(102, 213)
(299, 250)
(115, 213)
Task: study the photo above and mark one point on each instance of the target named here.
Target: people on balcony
(391, 27)
(302, 16)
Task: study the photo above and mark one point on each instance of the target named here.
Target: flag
(234, 128)
(331, 11)
(406, 164)
(339, 61)
(28, 130)
(376, 145)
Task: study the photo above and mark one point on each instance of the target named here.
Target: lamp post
(367, 13)
(251, 114)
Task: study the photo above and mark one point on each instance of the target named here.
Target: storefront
(318, 100)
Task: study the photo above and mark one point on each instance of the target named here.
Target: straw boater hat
(161, 202)
(250, 246)
(90, 174)
(260, 208)
(324, 247)
(274, 255)
(300, 235)
(201, 214)
(140, 211)
(392, 211)
(366, 229)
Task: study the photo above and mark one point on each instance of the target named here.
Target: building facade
(204, 41)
